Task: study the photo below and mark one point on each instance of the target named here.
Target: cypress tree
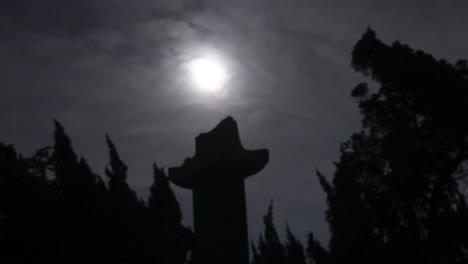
(162, 202)
(294, 249)
(173, 239)
(65, 162)
(270, 248)
(316, 254)
(124, 212)
(117, 175)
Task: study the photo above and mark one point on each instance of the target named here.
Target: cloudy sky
(119, 67)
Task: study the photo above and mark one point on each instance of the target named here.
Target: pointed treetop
(270, 231)
(270, 248)
(294, 249)
(162, 201)
(58, 125)
(63, 148)
(271, 235)
(64, 158)
(289, 234)
(370, 32)
(316, 253)
(117, 173)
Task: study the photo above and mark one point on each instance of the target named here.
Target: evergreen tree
(124, 212)
(294, 249)
(78, 187)
(65, 162)
(74, 218)
(172, 237)
(162, 202)
(256, 258)
(117, 174)
(316, 254)
(395, 196)
(270, 248)
(29, 225)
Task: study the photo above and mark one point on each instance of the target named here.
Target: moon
(208, 74)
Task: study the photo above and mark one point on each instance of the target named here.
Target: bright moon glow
(208, 74)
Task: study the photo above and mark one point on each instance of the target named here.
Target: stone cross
(216, 176)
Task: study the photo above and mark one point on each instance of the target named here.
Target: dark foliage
(397, 193)
(315, 252)
(270, 249)
(54, 209)
(294, 249)
(164, 210)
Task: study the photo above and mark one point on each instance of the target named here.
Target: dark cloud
(114, 28)
(115, 66)
(79, 16)
(49, 16)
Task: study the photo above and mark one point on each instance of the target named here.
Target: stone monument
(216, 176)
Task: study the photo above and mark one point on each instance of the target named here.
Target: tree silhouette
(166, 216)
(396, 193)
(125, 212)
(77, 185)
(162, 202)
(55, 209)
(270, 249)
(294, 249)
(117, 174)
(316, 254)
(65, 162)
(30, 215)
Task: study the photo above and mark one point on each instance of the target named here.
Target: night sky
(119, 67)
